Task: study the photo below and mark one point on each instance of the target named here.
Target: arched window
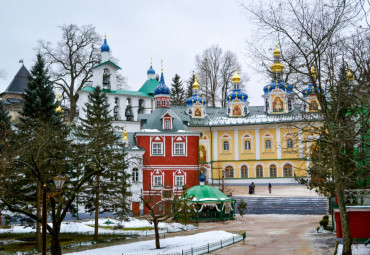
(289, 143)
(244, 172)
(273, 171)
(288, 170)
(268, 144)
(163, 102)
(135, 175)
(229, 172)
(247, 145)
(168, 102)
(226, 145)
(259, 171)
(289, 104)
(106, 79)
(158, 102)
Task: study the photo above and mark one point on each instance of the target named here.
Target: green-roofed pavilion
(211, 203)
(149, 86)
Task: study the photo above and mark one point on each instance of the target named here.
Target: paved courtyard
(276, 234)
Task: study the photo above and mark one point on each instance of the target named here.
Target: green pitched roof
(149, 86)
(120, 91)
(206, 193)
(108, 62)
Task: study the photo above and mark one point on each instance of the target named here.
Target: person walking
(254, 186)
(250, 189)
(270, 187)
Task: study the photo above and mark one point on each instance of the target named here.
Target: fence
(201, 249)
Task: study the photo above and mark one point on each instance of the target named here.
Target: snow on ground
(173, 244)
(357, 249)
(82, 227)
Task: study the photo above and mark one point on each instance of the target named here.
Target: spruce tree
(102, 149)
(177, 91)
(189, 88)
(39, 100)
(5, 124)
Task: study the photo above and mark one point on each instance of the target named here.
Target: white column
(278, 143)
(300, 145)
(215, 145)
(236, 145)
(258, 152)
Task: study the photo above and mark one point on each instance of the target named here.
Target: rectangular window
(135, 175)
(268, 144)
(179, 181)
(179, 149)
(167, 194)
(167, 124)
(157, 148)
(157, 181)
(226, 145)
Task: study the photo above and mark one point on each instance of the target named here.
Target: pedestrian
(270, 187)
(254, 186)
(250, 189)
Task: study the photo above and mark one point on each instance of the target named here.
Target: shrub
(324, 223)
(326, 217)
(242, 206)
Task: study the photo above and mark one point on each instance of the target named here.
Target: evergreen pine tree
(177, 91)
(39, 100)
(189, 88)
(5, 124)
(102, 149)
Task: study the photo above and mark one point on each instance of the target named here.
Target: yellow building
(252, 142)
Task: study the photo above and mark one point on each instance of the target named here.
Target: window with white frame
(163, 102)
(157, 180)
(267, 144)
(179, 149)
(179, 180)
(226, 146)
(135, 175)
(167, 124)
(157, 148)
(289, 143)
(247, 145)
(158, 102)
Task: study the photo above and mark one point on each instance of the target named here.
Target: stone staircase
(284, 205)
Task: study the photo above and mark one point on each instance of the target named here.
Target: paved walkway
(276, 234)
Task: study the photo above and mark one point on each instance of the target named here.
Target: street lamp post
(58, 182)
(223, 178)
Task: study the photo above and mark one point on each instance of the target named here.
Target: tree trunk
(73, 107)
(38, 211)
(56, 249)
(339, 190)
(156, 230)
(96, 231)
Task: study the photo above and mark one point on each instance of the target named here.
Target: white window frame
(167, 124)
(289, 143)
(160, 148)
(179, 151)
(158, 102)
(180, 178)
(228, 146)
(249, 145)
(163, 102)
(135, 175)
(157, 181)
(270, 143)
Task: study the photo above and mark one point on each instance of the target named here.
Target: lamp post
(58, 182)
(223, 178)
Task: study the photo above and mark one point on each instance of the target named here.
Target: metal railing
(211, 216)
(200, 249)
(357, 196)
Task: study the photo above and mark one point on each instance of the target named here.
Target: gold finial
(125, 134)
(349, 75)
(236, 77)
(59, 109)
(313, 72)
(151, 61)
(105, 36)
(162, 65)
(276, 51)
(195, 84)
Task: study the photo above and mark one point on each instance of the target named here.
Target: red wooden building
(171, 154)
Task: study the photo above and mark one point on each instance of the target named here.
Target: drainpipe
(210, 130)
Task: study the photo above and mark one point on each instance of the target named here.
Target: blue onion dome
(150, 70)
(105, 46)
(162, 89)
(237, 94)
(194, 99)
(202, 178)
(310, 90)
(278, 84)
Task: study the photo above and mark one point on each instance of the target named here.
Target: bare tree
(158, 212)
(313, 33)
(72, 60)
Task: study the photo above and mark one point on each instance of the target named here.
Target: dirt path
(276, 234)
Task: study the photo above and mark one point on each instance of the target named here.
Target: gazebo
(210, 203)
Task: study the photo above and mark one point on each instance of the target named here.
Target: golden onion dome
(349, 75)
(236, 77)
(313, 72)
(125, 134)
(276, 51)
(195, 84)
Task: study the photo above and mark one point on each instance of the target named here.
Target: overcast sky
(175, 30)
